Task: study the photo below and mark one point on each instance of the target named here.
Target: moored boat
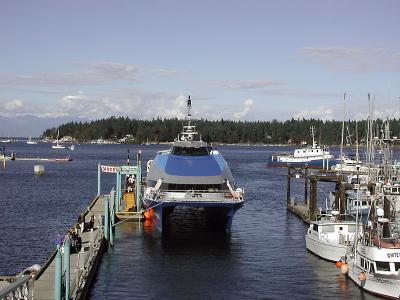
(330, 237)
(191, 174)
(314, 157)
(375, 264)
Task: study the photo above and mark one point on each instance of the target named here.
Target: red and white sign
(109, 169)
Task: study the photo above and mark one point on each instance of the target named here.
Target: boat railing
(210, 191)
(201, 195)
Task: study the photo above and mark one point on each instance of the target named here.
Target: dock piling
(57, 275)
(67, 253)
(106, 219)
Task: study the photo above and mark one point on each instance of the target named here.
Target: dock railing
(22, 288)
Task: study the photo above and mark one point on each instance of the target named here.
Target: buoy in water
(38, 169)
(362, 277)
(344, 268)
(338, 264)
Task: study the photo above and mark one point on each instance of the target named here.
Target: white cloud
(353, 59)
(166, 72)
(94, 73)
(13, 105)
(322, 113)
(247, 104)
(246, 84)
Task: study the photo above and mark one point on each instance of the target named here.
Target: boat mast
(344, 116)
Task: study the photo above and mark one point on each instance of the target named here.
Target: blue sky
(239, 60)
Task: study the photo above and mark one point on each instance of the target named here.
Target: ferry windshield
(191, 151)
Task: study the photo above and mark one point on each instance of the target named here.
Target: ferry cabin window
(191, 151)
(397, 266)
(382, 266)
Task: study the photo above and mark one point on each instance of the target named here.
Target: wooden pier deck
(301, 210)
(82, 264)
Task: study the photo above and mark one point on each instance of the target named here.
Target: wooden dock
(67, 273)
(82, 265)
(308, 209)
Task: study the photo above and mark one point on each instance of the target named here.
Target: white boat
(375, 264)
(330, 238)
(57, 145)
(312, 157)
(6, 141)
(30, 142)
(72, 147)
(347, 165)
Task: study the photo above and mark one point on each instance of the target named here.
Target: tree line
(294, 131)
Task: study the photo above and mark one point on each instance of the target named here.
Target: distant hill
(29, 125)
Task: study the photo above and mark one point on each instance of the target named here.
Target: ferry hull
(219, 214)
(388, 288)
(326, 251)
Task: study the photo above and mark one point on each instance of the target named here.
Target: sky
(239, 60)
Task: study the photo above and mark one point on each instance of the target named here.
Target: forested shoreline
(221, 131)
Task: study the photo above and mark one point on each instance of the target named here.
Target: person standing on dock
(81, 222)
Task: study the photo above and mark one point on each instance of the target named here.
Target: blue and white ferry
(314, 157)
(191, 174)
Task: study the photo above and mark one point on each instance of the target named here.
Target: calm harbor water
(262, 257)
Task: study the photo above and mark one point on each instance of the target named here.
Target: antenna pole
(189, 106)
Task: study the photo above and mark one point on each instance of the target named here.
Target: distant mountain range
(26, 126)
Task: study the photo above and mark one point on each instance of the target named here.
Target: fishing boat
(191, 174)
(313, 157)
(57, 145)
(375, 264)
(31, 142)
(330, 237)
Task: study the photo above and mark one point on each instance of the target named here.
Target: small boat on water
(72, 147)
(191, 174)
(313, 157)
(330, 237)
(57, 145)
(31, 142)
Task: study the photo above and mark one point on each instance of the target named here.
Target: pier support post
(138, 183)
(113, 206)
(98, 179)
(119, 187)
(313, 199)
(57, 275)
(288, 187)
(67, 266)
(111, 236)
(305, 185)
(106, 219)
(342, 198)
(117, 190)
(386, 214)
